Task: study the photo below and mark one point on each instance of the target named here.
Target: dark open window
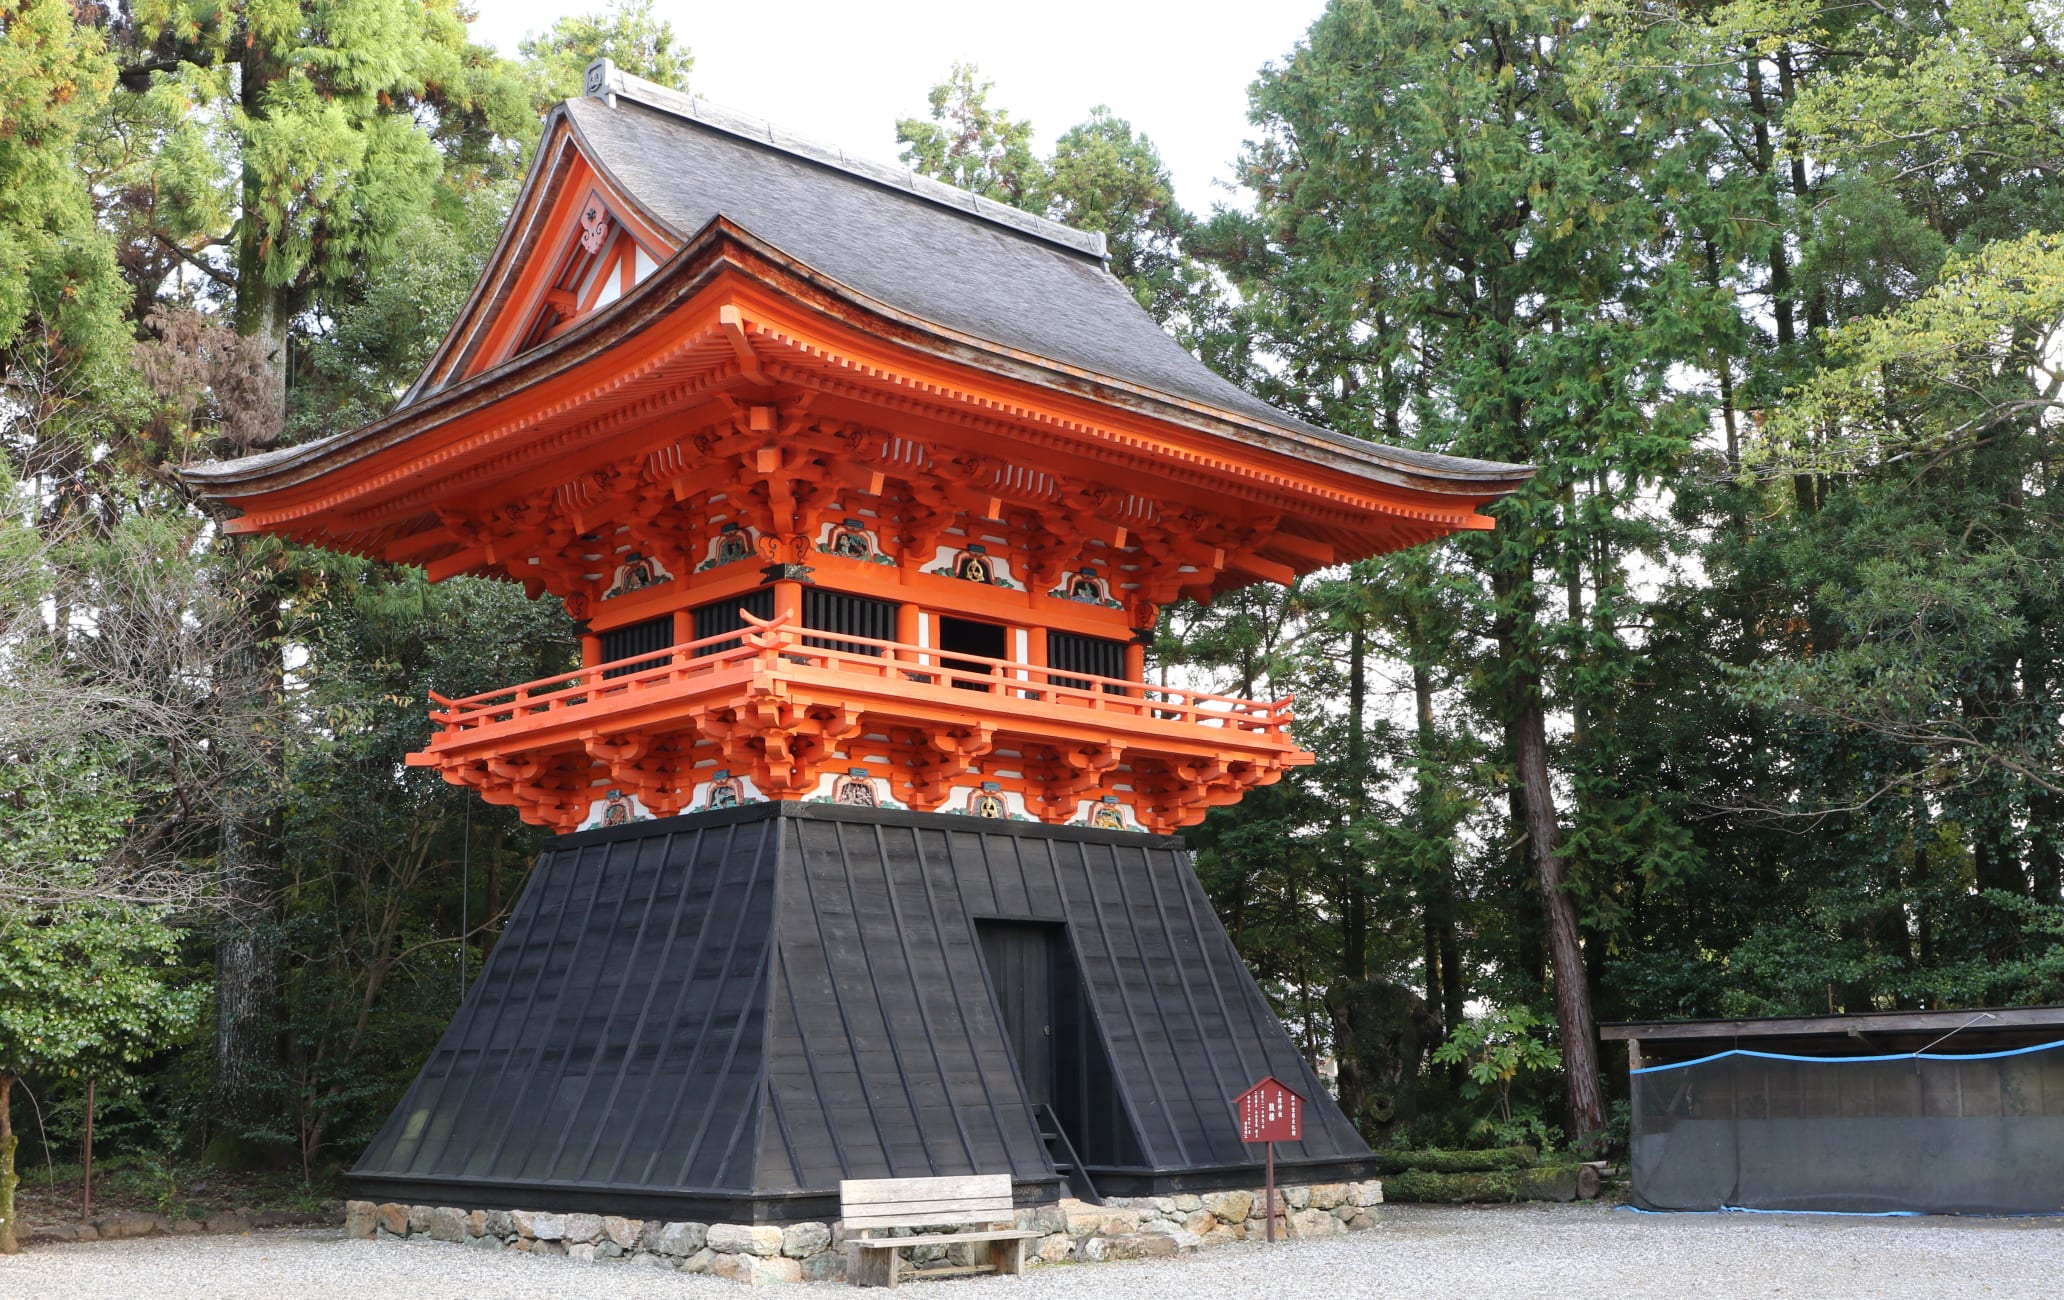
(1095, 655)
(965, 636)
(835, 611)
(637, 639)
(728, 615)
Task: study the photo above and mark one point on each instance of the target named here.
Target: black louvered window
(728, 615)
(835, 611)
(637, 639)
(1095, 655)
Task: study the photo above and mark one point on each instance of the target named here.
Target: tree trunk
(86, 1157)
(1354, 903)
(247, 1029)
(1443, 954)
(1565, 951)
(247, 956)
(9, 1180)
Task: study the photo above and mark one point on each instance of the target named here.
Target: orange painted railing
(903, 668)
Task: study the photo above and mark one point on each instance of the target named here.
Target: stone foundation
(1126, 1228)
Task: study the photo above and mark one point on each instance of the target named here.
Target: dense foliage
(1749, 705)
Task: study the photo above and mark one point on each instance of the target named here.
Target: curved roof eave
(1425, 471)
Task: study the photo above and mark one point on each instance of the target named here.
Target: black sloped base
(719, 1016)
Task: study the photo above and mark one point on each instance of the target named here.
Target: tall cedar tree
(1490, 194)
(294, 144)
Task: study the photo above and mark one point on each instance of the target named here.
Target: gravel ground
(1420, 1252)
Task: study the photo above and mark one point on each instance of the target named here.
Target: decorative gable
(575, 244)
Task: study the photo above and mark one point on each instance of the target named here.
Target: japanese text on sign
(1270, 1112)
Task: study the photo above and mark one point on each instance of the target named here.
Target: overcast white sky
(844, 72)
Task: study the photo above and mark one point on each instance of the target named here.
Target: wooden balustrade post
(684, 632)
(1035, 655)
(788, 602)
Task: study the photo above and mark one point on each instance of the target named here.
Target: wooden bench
(870, 1205)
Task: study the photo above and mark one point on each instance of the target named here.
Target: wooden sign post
(1270, 1113)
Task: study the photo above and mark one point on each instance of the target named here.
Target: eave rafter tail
(805, 362)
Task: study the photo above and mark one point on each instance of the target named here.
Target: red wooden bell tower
(865, 490)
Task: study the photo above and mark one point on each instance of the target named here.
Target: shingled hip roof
(939, 253)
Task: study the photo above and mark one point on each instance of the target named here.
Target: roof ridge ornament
(602, 81)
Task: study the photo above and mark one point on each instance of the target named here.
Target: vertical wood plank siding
(724, 616)
(740, 1009)
(652, 635)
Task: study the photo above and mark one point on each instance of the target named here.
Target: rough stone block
(1140, 1245)
(523, 1223)
(360, 1218)
(1119, 1223)
(476, 1223)
(583, 1229)
(1055, 1248)
(1080, 1218)
(760, 1239)
(607, 1249)
(447, 1224)
(1188, 1204)
(1297, 1198)
(185, 1226)
(543, 1247)
(393, 1218)
(1230, 1207)
(756, 1270)
(584, 1251)
(1225, 1234)
(548, 1227)
(825, 1266)
(700, 1261)
(1200, 1221)
(486, 1241)
(500, 1223)
(232, 1222)
(1309, 1224)
(126, 1224)
(622, 1231)
(679, 1239)
(801, 1240)
(1042, 1218)
(1328, 1196)
(419, 1218)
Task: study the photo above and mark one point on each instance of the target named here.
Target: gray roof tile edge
(613, 80)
